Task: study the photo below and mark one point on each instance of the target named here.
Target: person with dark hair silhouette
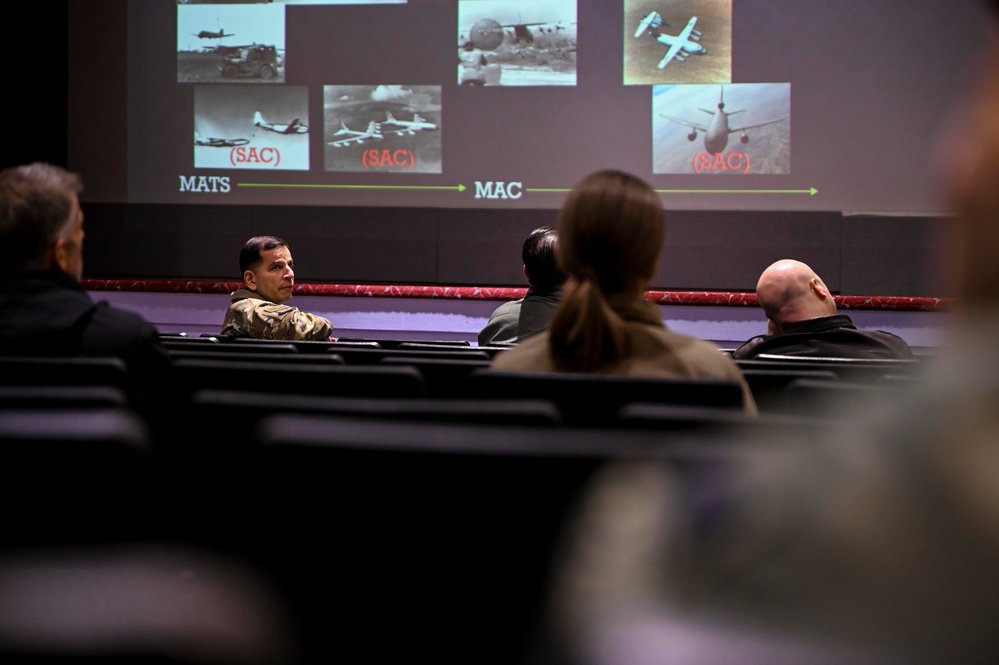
(518, 319)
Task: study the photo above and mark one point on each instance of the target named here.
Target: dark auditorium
(249, 413)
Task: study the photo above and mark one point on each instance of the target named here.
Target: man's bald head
(790, 291)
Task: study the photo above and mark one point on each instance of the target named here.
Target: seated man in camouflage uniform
(258, 308)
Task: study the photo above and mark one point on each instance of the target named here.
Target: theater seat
(316, 378)
(595, 399)
(440, 533)
(76, 475)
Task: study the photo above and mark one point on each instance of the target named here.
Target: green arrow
(536, 190)
(811, 191)
(459, 188)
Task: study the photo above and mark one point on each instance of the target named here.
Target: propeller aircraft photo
(686, 42)
(208, 34)
(293, 127)
(214, 142)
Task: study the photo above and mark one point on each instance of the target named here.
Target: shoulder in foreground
(529, 354)
(745, 350)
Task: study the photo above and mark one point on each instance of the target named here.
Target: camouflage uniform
(249, 315)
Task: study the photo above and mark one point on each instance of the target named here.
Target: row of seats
(394, 520)
(780, 385)
(342, 344)
(387, 536)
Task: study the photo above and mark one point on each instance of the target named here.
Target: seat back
(247, 407)
(809, 397)
(44, 370)
(222, 346)
(595, 399)
(423, 525)
(444, 377)
(705, 420)
(390, 343)
(848, 369)
(62, 396)
(35, 372)
(251, 355)
(316, 378)
(361, 355)
(76, 476)
(216, 466)
(768, 385)
(449, 344)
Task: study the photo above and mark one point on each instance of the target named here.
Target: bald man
(802, 320)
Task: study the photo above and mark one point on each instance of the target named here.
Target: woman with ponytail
(611, 231)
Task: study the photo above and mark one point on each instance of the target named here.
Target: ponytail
(585, 333)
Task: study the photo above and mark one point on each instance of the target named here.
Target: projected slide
(251, 127)
(382, 128)
(517, 43)
(718, 104)
(685, 41)
(230, 43)
(722, 129)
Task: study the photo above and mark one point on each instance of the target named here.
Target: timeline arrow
(459, 188)
(811, 191)
(533, 190)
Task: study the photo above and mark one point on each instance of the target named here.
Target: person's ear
(250, 280)
(526, 276)
(819, 288)
(60, 255)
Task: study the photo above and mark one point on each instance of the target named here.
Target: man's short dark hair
(36, 209)
(543, 271)
(250, 256)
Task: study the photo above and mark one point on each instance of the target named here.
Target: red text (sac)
(736, 162)
(375, 158)
(254, 155)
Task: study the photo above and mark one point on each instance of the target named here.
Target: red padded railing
(702, 298)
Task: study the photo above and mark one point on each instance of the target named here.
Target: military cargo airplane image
(659, 37)
(686, 42)
(214, 142)
(718, 129)
(208, 34)
(488, 33)
(522, 42)
(353, 136)
(521, 32)
(200, 35)
(293, 127)
(417, 124)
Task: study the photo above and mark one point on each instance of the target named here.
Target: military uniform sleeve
(265, 320)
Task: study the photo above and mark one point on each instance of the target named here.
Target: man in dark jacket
(802, 320)
(44, 310)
